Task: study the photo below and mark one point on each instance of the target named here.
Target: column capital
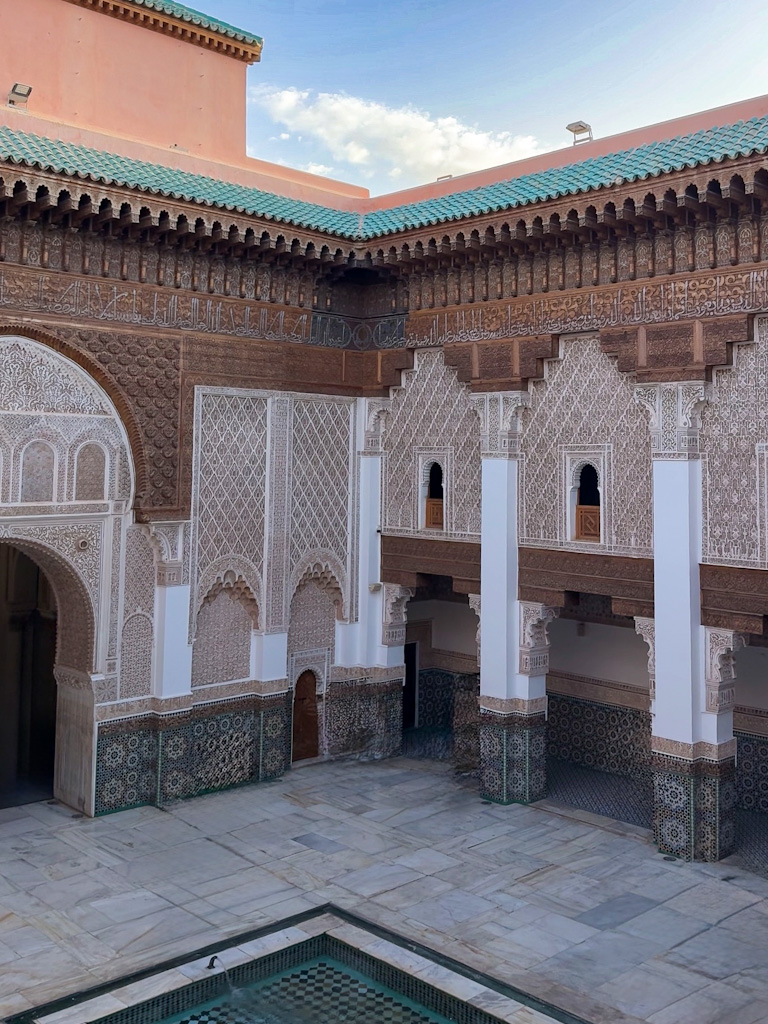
(675, 417)
(720, 676)
(393, 627)
(534, 642)
(375, 410)
(646, 628)
(500, 415)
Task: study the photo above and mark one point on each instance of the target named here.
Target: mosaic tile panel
(436, 695)
(596, 735)
(752, 772)
(155, 760)
(364, 720)
(126, 768)
(512, 758)
(694, 807)
(466, 723)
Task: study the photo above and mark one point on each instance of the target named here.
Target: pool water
(319, 991)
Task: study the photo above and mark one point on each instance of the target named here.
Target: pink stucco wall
(93, 70)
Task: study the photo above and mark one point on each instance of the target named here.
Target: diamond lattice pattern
(432, 409)
(321, 479)
(584, 400)
(233, 461)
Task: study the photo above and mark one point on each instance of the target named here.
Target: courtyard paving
(580, 912)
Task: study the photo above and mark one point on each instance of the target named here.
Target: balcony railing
(588, 522)
(434, 518)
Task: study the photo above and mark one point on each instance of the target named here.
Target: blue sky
(393, 93)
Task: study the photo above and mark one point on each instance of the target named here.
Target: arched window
(434, 513)
(588, 505)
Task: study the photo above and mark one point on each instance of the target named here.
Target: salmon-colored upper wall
(729, 114)
(90, 69)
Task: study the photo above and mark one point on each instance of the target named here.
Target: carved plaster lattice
(431, 409)
(222, 647)
(500, 422)
(169, 539)
(734, 446)
(322, 482)
(229, 488)
(584, 402)
(375, 413)
(675, 417)
(721, 646)
(395, 600)
(534, 641)
(646, 628)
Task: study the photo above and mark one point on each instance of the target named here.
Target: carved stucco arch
(324, 569)
(239, 579)
(578, 466)
(76, 621)
(109, 386)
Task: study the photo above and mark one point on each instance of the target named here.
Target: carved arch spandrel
(108, 385)
(327, 573)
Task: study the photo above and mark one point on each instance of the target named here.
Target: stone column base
(694, 803)
(512, 757)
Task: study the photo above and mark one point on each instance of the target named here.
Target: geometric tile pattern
(694, 807)
(363, 720)
(157, 760)
(597, 735)
(752, 772)
(512, 758)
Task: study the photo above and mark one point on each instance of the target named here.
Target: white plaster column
(692, 740)
(680, 719)
(513, 663)
(269, 657)
(173, 652)
(365, 642)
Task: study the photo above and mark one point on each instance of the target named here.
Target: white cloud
(284, 135)
(315, 168)
(403, 142)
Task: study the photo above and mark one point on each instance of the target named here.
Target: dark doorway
(305, 738)
(409, 690)
(27, 684)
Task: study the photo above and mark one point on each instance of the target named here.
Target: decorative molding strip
(513, 705)
(700, 751)
(605, 691)
(750, 720)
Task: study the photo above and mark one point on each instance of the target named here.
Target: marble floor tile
(588, 914)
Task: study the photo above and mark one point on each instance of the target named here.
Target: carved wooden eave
(188, 32)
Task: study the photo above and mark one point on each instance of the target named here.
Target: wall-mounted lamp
(19, 95)
(582, 132)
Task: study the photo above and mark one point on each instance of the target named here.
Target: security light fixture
(19, 95)
(582, 132)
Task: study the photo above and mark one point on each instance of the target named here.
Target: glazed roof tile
(184, 13)
(744, 138)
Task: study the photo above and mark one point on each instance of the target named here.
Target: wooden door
(305, 741)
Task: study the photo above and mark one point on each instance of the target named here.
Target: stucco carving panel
(322, 480)
(136, 657)
(138, 614)
(311, 629)
(229, 484)
(431, 410)
(222, 648)
(585, 403)
(734, 443)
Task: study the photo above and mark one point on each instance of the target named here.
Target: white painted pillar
(692, 739)
(269, 657)
(364, 642)
(173, 652)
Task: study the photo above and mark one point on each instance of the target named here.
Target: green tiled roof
(201, 20)
(83, 162)
(708, 146)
